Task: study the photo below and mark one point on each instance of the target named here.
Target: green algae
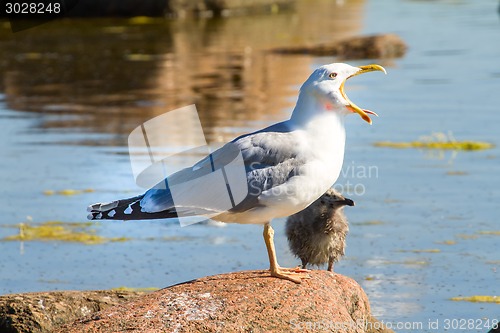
(478, 299)
(368, 223)
(52, 281)
(139, 57)
(61, 231)
(439, 141)
(68, 192)
(409, 262)
(456, 173)
(467, 236)
(449, 145)
(447, 242)
(415, 262)
(140, 20)
(479, 233)
(422, 251)
(490, 232)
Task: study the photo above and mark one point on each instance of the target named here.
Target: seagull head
(326, 88)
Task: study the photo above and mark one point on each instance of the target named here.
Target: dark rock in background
(173, 8)
(363, 47)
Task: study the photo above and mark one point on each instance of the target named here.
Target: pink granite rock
(249, 301)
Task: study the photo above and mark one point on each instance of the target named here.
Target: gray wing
(270, 158)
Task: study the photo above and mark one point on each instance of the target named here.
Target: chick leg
(275, 269)
(330, 264)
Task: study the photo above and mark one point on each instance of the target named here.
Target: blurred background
(425, 228)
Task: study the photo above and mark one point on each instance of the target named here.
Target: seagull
(317, 234)
(288, 165)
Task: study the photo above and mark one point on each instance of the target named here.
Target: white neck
(307, 107)
(312, 113)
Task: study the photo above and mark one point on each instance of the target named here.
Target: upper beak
(348, 202)
(353, 107)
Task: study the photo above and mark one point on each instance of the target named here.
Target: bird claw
(290, 274)
(297, 269)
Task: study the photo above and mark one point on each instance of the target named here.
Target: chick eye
(333, 75)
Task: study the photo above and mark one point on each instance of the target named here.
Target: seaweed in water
(438, 141)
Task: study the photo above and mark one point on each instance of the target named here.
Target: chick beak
(348, 202)
(353, 107)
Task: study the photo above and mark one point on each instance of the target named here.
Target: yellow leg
(276, 270)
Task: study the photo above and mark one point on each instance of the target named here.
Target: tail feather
(126, 209)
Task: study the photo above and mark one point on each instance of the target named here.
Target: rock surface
(248, 301)
(363, 47)
(42, 312)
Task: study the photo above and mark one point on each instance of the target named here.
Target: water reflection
(114, 74)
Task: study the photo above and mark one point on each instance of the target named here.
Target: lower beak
(353, 107)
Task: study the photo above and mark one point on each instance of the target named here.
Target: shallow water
(71, 91)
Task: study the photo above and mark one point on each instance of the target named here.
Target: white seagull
(288, 165)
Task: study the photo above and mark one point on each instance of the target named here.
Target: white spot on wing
(128, 210)
(112, 213)
(108, 205)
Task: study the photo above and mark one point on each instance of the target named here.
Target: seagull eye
(333, 75)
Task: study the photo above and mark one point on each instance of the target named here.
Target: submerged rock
(42, 312)
(363, 47)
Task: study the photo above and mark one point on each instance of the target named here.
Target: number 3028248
(33, 8)
(469, 324)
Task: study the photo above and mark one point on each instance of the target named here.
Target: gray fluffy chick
(317, 234)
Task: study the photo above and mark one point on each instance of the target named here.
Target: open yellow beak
(353, 107)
